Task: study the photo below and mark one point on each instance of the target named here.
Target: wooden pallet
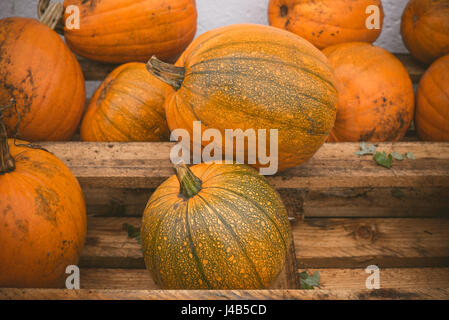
(346, 213)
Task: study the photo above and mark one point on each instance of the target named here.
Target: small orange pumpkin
(42, 217)
(43, 76)
(376, 98)
(128, 30)
(325, 23)
(432, 106)
(425, 29)
(128, 106)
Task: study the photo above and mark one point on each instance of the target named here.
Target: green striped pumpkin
(222, 227)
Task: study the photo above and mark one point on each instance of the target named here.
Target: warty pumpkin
(215, 226)
(254, 77)
(43, 76)
(131, 31)
(376, 98)
(128, 106)
(432, 105)
(425, 29)
(42, 216)
(325, 23)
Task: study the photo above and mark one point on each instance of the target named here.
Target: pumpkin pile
(312, 76)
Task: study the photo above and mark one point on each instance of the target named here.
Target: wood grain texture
(341, 294)
(319, 243)
(119, 178)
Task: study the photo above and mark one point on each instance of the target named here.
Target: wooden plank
(108, 246)
(118, 178)
(344, 294)
(390, 278)
(319, 243)
(358, 243)
(98, 71)
(331, 279)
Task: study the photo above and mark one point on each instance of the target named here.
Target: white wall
(217, 13)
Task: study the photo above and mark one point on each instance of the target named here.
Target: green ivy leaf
(397, 156)
(383, 159)
(133, 232)
(366, 149)
(410, 156)
(308, 282)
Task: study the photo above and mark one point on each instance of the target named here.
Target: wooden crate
(346, 213)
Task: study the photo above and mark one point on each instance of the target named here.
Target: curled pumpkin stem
(190, 184)
(51, 14)
(166, 72)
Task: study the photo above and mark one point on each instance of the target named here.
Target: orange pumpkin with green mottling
(128, 106)
(42, 217)
(327, 22)
(215, 226)
(254, 77)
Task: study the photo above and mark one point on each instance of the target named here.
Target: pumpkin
(42, 216)
(129, 31)
(253, 77)
(45, 79)
(432, 105)
(128, 106)
(376, 98)
(325, 23)
(215, 226)
(425, 29)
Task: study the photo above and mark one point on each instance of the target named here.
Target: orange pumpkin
(42, 216)
(43, 76)
(128, 106)
(127, 30)
(254, 77)
(432, 106)
(425, 29)
(325, 23)
(376, 98)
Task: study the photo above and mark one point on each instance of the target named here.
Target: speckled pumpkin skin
(122, 31)
(325, 22)
(234, 234)
(128, 106)
(376, 97)
(425, 29)
(257, 77)
(432, 106)
(42, 220)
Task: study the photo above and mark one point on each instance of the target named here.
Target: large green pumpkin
(223, 227)
(254, 77)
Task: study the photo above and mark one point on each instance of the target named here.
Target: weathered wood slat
(342, 294)
(98, 71)
(118, 178)
(319, 243)
(331, 279)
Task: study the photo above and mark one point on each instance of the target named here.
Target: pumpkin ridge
(256, 205)
(254, 116)
(237, 240)
(430, 103)
(106, 118)
(193, 249)
(263, 60)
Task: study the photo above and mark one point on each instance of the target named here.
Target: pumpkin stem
(190, 184)
(7, 162)
(50, 14)
(166, 72)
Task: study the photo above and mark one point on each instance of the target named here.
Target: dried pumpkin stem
(50, 14)
(7, 162)
(166, 72)
(189, 183)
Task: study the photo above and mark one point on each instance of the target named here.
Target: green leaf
(397, 156)
(133, 232)
(410, 156)
(383, 159)
(308, 282)
(366, 149)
